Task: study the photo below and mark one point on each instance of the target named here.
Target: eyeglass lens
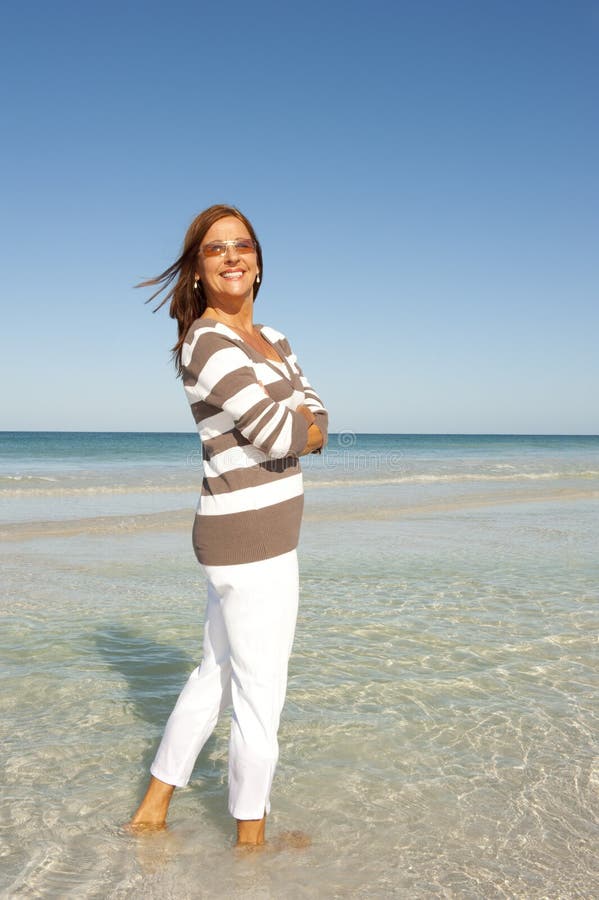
(219, 248)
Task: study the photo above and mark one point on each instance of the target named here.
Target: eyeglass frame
(232, 243)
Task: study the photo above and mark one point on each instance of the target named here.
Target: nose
(231, 252)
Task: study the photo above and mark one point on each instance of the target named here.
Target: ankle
(251, 831)
(154, 806)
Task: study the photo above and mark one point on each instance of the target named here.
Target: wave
(61, 491)
(27, 478)
(449, 479)
(312, 482)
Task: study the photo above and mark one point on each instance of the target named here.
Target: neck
(241, 318)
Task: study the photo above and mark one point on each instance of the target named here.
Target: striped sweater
(251, 502)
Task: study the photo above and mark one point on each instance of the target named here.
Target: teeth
(232, 274)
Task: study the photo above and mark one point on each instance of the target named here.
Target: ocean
(440, 733)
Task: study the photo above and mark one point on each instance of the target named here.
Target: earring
(258, 278)
(195, 284)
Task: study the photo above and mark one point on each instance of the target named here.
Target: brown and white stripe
(251, 502)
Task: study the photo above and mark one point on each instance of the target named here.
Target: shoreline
(181, 519)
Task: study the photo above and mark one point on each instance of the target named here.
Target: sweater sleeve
(217, 372)
(312, 401)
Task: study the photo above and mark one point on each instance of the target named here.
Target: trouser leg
(259, 606)
(206, 692)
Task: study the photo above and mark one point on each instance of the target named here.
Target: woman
(256, 414)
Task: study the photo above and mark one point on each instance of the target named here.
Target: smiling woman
(188, 295)
(227, 262)
(256, 414)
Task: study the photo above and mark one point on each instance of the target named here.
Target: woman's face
(232, 275)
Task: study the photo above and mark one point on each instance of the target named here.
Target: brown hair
(187, 301)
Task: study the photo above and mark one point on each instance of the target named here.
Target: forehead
(227, 229)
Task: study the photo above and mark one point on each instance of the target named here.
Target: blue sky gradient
(422, 176)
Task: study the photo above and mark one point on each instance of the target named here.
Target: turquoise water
(440, 732)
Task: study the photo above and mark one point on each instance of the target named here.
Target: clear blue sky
(423, 177)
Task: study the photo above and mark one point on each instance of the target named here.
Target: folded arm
(313, 403)
(217, 372)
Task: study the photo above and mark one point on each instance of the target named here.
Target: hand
(307, 414)
(315, 440)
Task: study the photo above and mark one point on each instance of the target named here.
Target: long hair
(188, 302)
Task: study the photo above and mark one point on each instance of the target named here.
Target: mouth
(232, 274)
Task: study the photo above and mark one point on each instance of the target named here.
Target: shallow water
(440, 732)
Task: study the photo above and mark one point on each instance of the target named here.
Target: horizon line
(346, 431)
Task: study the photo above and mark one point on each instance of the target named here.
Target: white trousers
(248, 635)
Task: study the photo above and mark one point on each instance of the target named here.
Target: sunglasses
(219, 248)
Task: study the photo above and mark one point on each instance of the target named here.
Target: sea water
(440, 733)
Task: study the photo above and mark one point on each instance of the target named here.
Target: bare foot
(287, 840)
(242, 850)
(151, 813)
(144, 827)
